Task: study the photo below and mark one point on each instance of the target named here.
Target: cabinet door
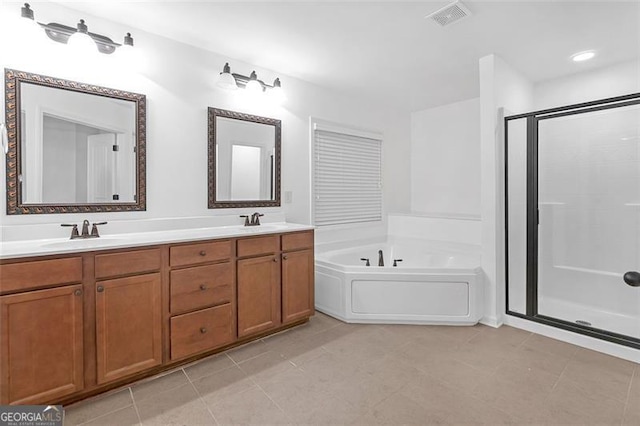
(258, 294)
(297, 285)
(41, 345)
(128, 326)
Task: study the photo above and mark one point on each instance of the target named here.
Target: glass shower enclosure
(573, 218)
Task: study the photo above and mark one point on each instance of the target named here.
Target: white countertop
(53, 246)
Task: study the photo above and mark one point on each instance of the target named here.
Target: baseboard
(490, 321)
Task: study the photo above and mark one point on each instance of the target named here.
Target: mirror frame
(217, 204)
(15, 205)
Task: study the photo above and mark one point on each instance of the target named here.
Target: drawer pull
(78, 292)
(203, 287)
(275, 260)
(284, 257)
(203, 253)
(203, 330)
(100, 289)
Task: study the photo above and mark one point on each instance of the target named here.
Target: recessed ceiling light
(583, 56)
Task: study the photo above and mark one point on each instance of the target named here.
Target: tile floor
(328, 372)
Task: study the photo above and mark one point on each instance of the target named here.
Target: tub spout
(380, 258)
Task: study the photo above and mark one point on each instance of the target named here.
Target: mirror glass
(79, 147)
(245, 161)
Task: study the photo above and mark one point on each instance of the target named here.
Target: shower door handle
(632, 278)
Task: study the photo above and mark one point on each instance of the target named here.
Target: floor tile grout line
(135, 406)
(206, 406)
(270, 399)
(99, 397)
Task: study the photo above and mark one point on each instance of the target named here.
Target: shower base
(628, 325)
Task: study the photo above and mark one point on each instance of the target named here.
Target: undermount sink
(262, 228)
(84, 242)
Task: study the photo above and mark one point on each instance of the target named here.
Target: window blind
(347, 178)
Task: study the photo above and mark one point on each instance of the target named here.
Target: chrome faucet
(253, 220)
(85, 229)
(380, 258)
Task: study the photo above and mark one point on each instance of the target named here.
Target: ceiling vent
(450, 13)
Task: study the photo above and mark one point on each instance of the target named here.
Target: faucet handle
(395, 261)
(364, 259)
(94, 228)
(246, 219)
(74, 231)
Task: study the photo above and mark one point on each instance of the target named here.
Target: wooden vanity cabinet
(258, 294)
(41, 345)
(202, 298)
(75, 325)
(41, 330)
(297, 276)
(128, 313)
(275, 282)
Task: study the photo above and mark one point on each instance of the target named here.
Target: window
(347, 177)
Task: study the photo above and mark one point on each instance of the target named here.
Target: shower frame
(532, 215)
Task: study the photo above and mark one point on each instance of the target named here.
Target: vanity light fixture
(232, 81)
(79, 36)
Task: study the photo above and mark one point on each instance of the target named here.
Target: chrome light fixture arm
(242, 80)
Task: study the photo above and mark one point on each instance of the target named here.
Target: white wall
(601, 83)
(445, 160)
(179, 82)
(503, 90)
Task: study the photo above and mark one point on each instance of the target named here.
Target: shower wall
(589, 190)
(589, 203)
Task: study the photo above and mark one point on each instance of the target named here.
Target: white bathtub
(436, 283)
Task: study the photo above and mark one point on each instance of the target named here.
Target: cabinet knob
(284, 257)
(203, 253)
(203, 330)
(203, 287)
(275, 260)
(78, 292)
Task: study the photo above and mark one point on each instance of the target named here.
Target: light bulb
(81, 42)
(126, 53)
(226, 80)
(276, 93)
(253, 85)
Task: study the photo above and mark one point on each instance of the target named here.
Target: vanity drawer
(127, 262)
(202, 286)
(258, 245)
(297, 241)
(193, 254)
(41, 273)
(201, 331)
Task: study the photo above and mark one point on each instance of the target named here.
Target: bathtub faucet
(380, 258)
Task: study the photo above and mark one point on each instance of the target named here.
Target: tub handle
(395, 261)
(364, 259)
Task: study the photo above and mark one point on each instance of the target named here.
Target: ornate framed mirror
(73, 147)
(244, 160)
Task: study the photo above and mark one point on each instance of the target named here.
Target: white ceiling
(386, 51)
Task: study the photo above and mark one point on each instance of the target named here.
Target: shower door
(582, 232)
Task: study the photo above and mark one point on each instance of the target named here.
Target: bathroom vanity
(79, 320)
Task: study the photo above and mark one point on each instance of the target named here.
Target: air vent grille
(450, 14)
